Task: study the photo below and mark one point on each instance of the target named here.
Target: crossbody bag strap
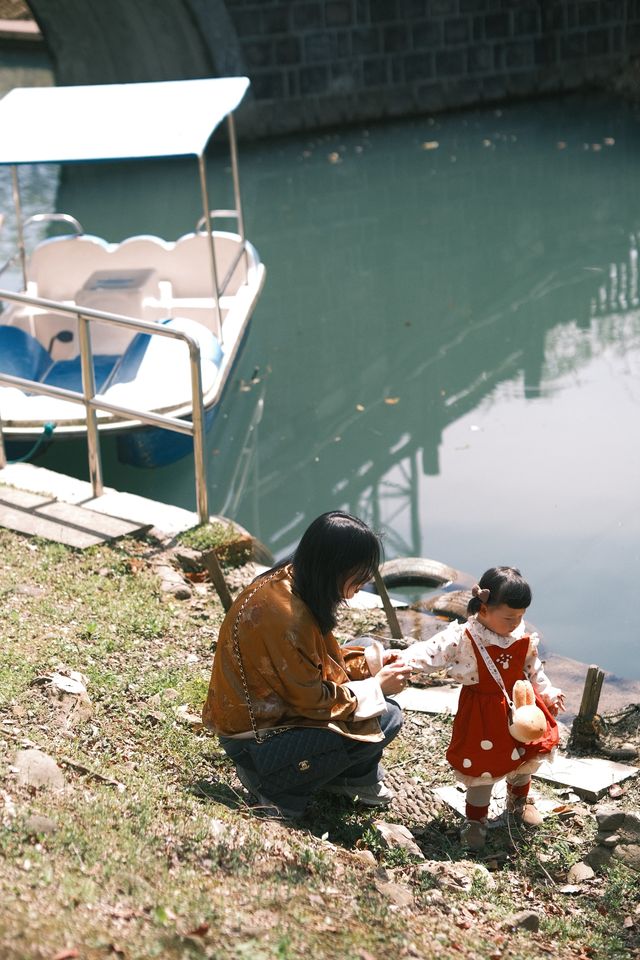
(491, 667)
(263, 734)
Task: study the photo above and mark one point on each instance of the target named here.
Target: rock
(396, 893)
(171, 581)
(218, 829)
(629, 854)
(185, 715)
(631, 825)
(599, 857)
(37, 824)
(365, 856)
(394, 835)
(609, 819)
(456, 876)
(37, 769)
(188, 559)
(609, 840)
(580, 872)
(524, 920)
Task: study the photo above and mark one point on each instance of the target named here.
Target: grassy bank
(148, 849)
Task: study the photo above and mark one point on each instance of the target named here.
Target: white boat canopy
(125, 121)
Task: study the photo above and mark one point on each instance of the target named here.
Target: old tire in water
(416, 571)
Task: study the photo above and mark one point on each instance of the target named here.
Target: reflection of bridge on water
(558, 326)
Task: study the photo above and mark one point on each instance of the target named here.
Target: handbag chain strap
(264, 734)
(491, 667)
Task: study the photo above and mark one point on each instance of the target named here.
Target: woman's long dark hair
(505, 585)
(333, 549)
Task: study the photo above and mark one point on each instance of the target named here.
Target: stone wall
(323, 62)
(319, 62)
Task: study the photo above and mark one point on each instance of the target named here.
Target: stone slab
(125, 506)
(75, 526)
(442, 699)
(129, 506)
(589, 777)
(99, 523)
(363, 600)
(24, 521)
(22, 499)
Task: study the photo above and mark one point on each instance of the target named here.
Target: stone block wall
(320, 62)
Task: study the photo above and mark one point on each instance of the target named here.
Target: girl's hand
(393, 677)
(558, 705)
(391, 656)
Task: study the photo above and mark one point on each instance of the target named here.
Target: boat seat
(155, 371)
(189, 269)
(68, 373)
(21, 355)
(60, 266)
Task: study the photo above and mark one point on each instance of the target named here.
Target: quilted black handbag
(298, 757)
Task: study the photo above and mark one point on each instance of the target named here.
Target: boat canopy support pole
(17, 203)
(207, 219)
(197, 417)
(89, 390)
(3, 455)
(235, 174)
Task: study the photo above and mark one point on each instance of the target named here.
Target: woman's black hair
(505, 585)
(333, 549)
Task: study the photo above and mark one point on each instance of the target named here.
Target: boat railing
(93, 403)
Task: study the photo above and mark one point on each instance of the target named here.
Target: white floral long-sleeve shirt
(452, 649)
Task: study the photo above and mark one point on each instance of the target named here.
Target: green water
(448, 345)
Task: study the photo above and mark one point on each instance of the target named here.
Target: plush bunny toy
(528, 722)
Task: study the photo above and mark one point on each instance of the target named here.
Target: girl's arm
(533, 670)
(428, 656)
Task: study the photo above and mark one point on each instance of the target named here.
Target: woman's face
(352, 584)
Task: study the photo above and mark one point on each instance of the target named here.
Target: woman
(293, 710)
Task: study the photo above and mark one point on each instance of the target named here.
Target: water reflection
(447, 345)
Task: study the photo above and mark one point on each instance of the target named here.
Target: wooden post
(389, 609)
(584, 730)
(214, 570)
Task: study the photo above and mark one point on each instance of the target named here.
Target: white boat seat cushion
(154, 372)
(60, 266)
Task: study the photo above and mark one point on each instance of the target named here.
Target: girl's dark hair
(505, 585)
(334, 548)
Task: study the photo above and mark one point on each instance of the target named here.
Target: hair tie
(482, 594)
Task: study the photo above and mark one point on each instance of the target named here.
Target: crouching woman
(294, 711)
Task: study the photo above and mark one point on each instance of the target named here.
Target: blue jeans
(289, 768)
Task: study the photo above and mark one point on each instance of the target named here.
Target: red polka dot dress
(482, 750)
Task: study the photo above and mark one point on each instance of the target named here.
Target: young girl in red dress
(492, 646)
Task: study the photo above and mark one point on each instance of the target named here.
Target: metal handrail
(88, 397)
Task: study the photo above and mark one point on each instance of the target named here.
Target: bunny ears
(482, 594)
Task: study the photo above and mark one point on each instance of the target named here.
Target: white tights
(480, 795)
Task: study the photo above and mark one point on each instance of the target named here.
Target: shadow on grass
(212, 788)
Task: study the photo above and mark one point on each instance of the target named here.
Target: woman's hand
(393, 677)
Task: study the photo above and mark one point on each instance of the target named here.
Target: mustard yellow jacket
(295, 675)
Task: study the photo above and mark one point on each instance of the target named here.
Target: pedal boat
(204, 284)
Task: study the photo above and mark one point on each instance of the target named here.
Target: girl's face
(502, 619)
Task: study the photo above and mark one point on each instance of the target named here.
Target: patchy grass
(150, 849)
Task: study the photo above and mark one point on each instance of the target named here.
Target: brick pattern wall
(316, 62)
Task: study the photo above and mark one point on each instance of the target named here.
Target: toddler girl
(492, 645)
